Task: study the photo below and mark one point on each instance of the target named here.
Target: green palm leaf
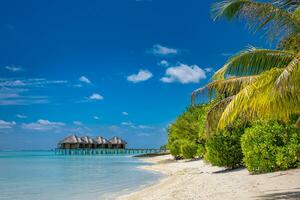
(254, 61)
(289, 5)
(230, 86)
(214, 114)
(272, 90)
(261, 99)
(277, 20)
(290, 77)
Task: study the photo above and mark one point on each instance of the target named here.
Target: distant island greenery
(252, 117)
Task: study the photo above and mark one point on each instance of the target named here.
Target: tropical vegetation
(223, 148)
(271, 145)
(253, 117)
(188, 130)
(259, 83)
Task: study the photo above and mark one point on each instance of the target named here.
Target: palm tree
(279, 18)
(259, 83)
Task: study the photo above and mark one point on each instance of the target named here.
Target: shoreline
(195, 179)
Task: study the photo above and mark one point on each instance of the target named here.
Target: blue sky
(111, 67)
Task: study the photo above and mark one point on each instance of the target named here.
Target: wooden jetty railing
(107, 151)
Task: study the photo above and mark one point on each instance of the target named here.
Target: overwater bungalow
(117, 143)
(73, 145)
(70, 142)
(86, 142)
(102, 143)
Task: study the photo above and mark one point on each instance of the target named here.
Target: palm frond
(254, 61)
(214, 114)
(220, 74)
(298, 122)
(290, 43)
(290, 75)
(289, 5)
(262, 100)
(277, 21)
(229, 87)
(296, 12)
(228, 9)
(195, 94)
(232, 85)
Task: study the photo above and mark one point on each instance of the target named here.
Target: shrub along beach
(252, 117)
(246, 121)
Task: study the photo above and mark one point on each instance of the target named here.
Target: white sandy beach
(190, 180)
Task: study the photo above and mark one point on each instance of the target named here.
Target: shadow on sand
(280, 195)
(228, 170)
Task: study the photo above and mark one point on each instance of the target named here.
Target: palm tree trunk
(298, 123)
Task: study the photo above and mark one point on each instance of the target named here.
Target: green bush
(224, 149)
(270, 146)
(200, 150)
(175, 148)
(188, 150)
(190, 127)
(284, 158)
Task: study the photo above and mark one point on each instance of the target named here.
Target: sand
(190, 180)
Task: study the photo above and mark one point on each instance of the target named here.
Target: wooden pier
(107, 151)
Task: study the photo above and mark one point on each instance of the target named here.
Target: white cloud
(8, 95)
(142, 75)
(184, 74)
(13, 68)
(95, 96)
(144, 127)
(78, 130)
(162, 50)
(130, 124)
(12, 83)
(125, 113)
(15, 96)
(114, 128)
(208, 69)
(23, 102)
(135, 126)
(96, 117)
(37, 82)
(6, 124)
(127, 123)
(164, 63)
(42, 125)
(21, 116)
(78, 123)
(78, 85)
(143, 134)
(85, 80)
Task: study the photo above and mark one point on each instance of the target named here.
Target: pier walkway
(107, 151)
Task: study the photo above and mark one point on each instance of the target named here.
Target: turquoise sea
(42, 175)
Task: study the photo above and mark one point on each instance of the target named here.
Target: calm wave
(41, 175)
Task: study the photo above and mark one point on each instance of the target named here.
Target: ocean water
(41, 175)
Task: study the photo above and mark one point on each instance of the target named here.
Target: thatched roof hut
(74, 142)
(102, 142)
(88, 142)
(70, 142)
(117, 142)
